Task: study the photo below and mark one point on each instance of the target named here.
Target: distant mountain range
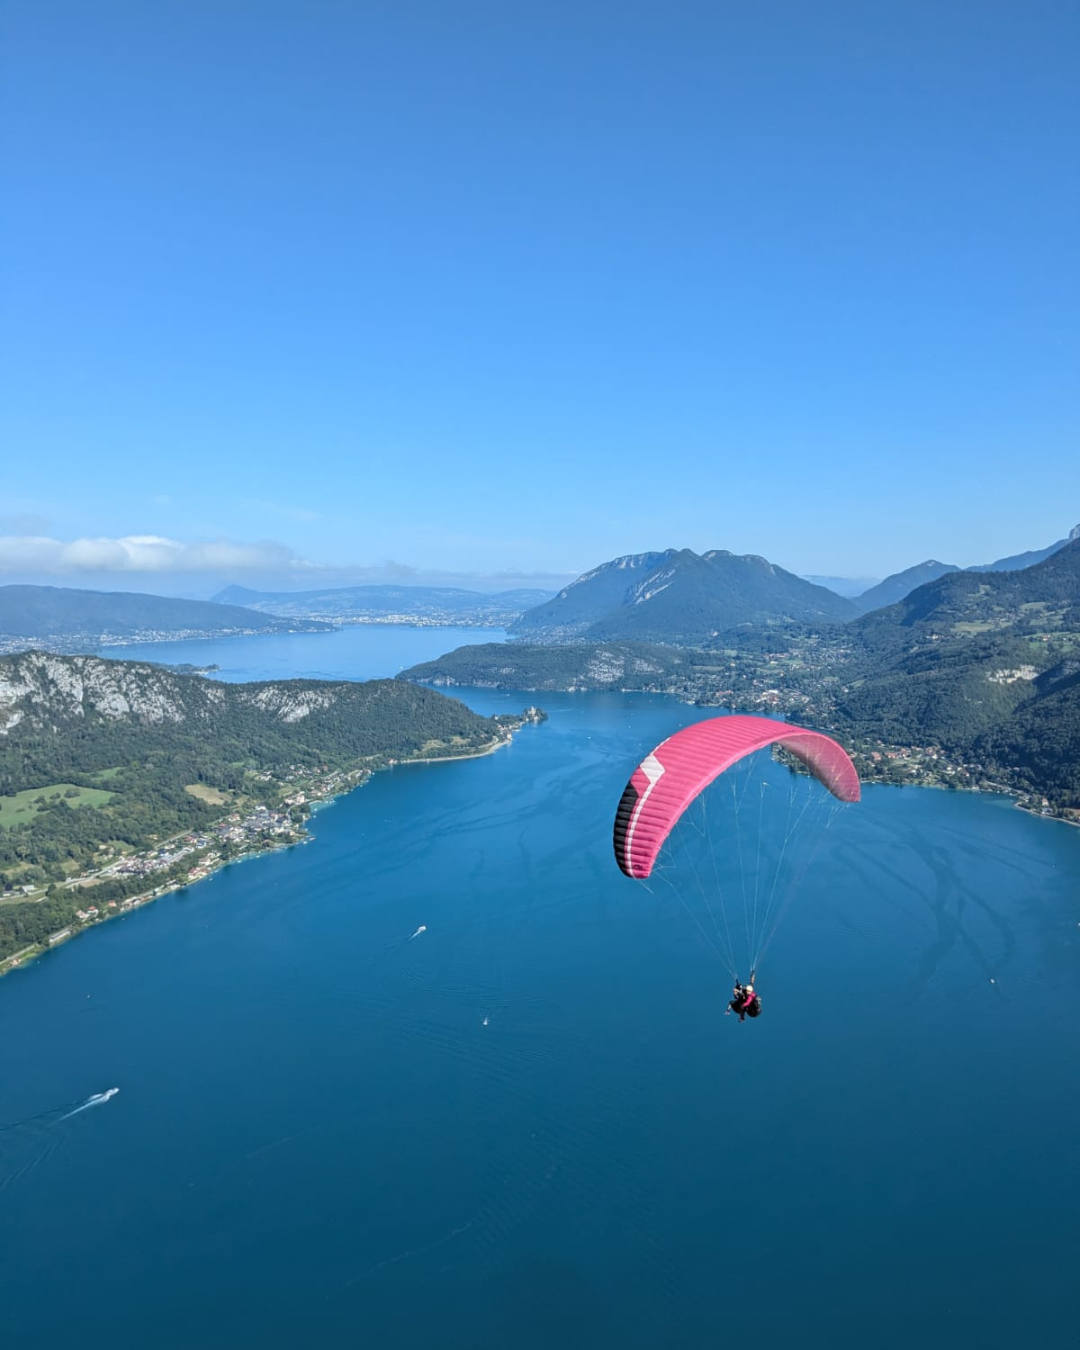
(372, 604)
(678, 596)
(65, 618)
(1018, 561)
(987, 603)
(983, 665)
(988, 661)
(895, 587)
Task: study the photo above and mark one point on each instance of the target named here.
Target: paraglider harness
(746, 1005)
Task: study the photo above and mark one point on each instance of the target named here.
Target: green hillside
(122, 753)
(53, 614)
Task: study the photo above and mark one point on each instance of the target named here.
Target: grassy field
(206, 794)
(24, 806)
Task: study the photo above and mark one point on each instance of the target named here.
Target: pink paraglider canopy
(667, 780)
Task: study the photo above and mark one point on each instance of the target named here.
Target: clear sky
(477, 286)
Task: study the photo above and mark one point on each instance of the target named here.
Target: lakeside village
(79, 644)
(878, 761)
(190, 857)
(410, 619)
(193, 855)
(881, 762)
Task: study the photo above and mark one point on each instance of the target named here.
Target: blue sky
(503, 289)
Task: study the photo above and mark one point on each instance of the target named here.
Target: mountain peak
(901, 584)
(629, 562)
(994, 600)
(679, 596)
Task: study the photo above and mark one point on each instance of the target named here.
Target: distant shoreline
(442, 759)
(929, 766)
(89, 644)
(83, 644)
(1045, 815)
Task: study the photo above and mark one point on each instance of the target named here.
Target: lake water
(531, 1125)
(362, 651)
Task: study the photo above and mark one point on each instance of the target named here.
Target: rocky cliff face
(49, 691)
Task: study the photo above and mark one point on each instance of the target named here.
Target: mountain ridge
(981, 668)
(678, 596)
(64, 615)
(899, 584)
(102, 761)
(894, 588)
(46, 691)
(382, 601)
(991, 600)
(1019, 562)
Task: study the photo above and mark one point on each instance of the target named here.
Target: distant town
(75, 644)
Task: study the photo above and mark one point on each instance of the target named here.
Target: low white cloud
(140, 553)
(158, 564)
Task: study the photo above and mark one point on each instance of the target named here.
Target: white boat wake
(421, 929)
(97, 1099)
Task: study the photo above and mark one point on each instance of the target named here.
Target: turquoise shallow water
(318, 1140)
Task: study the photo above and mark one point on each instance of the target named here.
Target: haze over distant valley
(66, 619)
(436, 605)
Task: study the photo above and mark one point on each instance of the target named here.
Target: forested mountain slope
(679, 597)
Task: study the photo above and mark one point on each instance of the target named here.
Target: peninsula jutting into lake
(171, 776)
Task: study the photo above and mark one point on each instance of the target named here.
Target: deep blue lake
(531, 1125)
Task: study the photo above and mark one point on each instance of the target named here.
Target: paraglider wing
(669, 778)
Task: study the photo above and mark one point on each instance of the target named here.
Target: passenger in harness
(746, 1003)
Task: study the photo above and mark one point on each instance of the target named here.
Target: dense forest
(583, 665)
(120, 755)
(1041, 742)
